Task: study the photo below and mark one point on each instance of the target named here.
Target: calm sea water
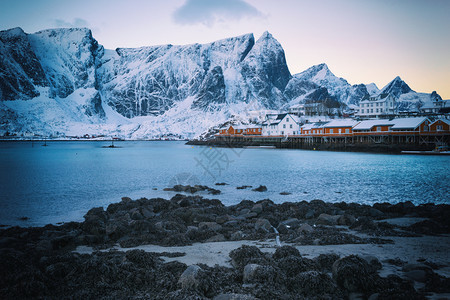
(63, 181)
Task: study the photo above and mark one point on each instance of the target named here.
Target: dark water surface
(63, 181)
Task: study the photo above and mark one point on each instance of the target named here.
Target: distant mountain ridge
(63, 82)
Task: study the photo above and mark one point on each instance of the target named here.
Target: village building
(314, 128)
(440, 126)
(339, 127)
(281, 125)
(252, 129)
(393, 125)
(377, 106)
(435, 107)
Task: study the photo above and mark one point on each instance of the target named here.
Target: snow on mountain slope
(320, 76)
(67, 57)
(372, 89)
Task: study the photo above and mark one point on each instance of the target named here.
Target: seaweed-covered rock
(313, 283)
(354, 274)
(194, 278)
(245, 255)
(285, 251)
(325, 261)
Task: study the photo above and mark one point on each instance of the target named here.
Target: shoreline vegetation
(192, 247)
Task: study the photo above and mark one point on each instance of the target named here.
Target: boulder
(305, 228)
(193, 278)
(245, 255)
(261, 188)
(263, 225)
(209, 226)
(326, 219)
(257, 208)
(353, 274)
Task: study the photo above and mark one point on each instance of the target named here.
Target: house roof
(408, 123)
(341, 123)
(375, 98)
(368, 124)
(314, 125)
(443, 120)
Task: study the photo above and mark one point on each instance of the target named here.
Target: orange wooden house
(440, 126)
(339, 127)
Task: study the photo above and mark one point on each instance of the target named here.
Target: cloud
(77, 22)
(208, 12)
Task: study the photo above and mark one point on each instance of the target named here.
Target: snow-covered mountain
(318, 83)
(63, 82)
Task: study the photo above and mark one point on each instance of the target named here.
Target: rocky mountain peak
(396, 87)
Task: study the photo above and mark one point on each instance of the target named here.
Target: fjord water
(62, 181)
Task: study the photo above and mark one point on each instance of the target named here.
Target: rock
(193, 278)
(245, 255)
(209, 226)
(261, 188)
(313, 283)
(250, 215)
(417, 275)
(285, 193)
(237, 236)
(373, 212)
(353, 274)
(243, 187)
(372, 261)
(222, 219)
(292, 223)
(257, 208)
(305, 228)
(326, 219)
(310, 214)
(216, 238)
(249, 272)
(232, 296)
(282, 228)
(285, 251)
(147, 213)
(325, 261)
(346, 220)
(263, 225)
(244, 211)
(221, 183)
(135, 214)
(254, 273)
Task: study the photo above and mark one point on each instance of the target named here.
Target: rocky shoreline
(45, 262)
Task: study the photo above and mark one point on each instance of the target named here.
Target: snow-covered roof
(443, 120)
(314, 125)
(408, 123)
(368, 124)
(247, 126)
(341, 123)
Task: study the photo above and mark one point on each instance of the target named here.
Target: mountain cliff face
(304, 86)
(62, 82)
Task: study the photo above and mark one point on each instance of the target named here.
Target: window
(425, 128)
(371, 110)
(378, 128)
(439, 127)
(290, 126)
(287, 119)
(362, 110)
(377, 109)
(347, 130)
(282, 132)
(284, 125)
(331, 130)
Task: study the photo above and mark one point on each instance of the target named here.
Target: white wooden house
(281, 125)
